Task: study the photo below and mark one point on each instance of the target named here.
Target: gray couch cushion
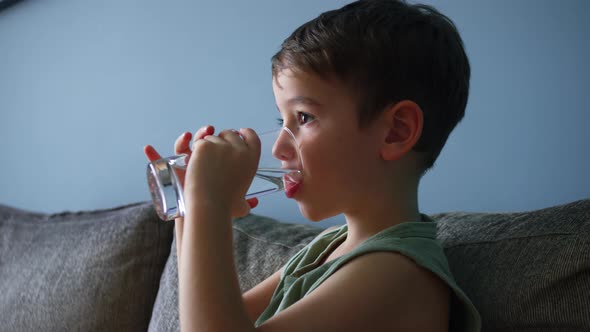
(262, 245)
(87, 271)
(527, 271)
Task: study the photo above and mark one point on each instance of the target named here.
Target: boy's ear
(402, 128)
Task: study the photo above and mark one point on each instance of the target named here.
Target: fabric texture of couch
(115, 269)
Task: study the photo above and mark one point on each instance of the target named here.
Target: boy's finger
(182, 143)
(249, 135)
(251, 138)
(253, 202)
(204, 132)
(151, 153)
(243, 209)
(232, 136)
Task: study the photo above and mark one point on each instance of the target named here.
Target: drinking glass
(167, 190)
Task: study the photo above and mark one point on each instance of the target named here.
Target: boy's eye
(304, 117)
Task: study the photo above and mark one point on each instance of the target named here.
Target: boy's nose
(285, 147)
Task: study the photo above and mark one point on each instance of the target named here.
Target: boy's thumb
(242, 210)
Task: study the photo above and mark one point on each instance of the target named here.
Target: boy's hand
(221, 169)
(182, 145)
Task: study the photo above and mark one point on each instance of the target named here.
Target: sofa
(115, 269)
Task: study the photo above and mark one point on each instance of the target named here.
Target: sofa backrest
(114, 270)
(524, 271)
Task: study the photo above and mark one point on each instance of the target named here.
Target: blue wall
(84, 85)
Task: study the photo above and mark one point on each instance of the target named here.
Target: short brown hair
(387, 51)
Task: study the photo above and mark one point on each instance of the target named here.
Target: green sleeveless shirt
(417, 240)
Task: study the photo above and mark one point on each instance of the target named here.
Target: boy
(371, 92)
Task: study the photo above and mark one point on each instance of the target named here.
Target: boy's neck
(380, 212)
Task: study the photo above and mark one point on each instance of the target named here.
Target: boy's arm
(209, 293)
(258, 298)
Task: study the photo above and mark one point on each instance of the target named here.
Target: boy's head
(386, 51)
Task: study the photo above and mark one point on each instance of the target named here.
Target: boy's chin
(314, 215)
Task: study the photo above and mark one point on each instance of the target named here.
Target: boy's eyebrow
(303, 100)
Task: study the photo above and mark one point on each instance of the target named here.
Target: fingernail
(253, 202)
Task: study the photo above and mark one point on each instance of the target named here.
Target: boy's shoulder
(329, 229)
(387, 282)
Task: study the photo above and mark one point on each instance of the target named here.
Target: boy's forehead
(284, 75)
(296, 88)
(301, 88)
(303, 84)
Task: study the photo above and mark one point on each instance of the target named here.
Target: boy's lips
(292, 183)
